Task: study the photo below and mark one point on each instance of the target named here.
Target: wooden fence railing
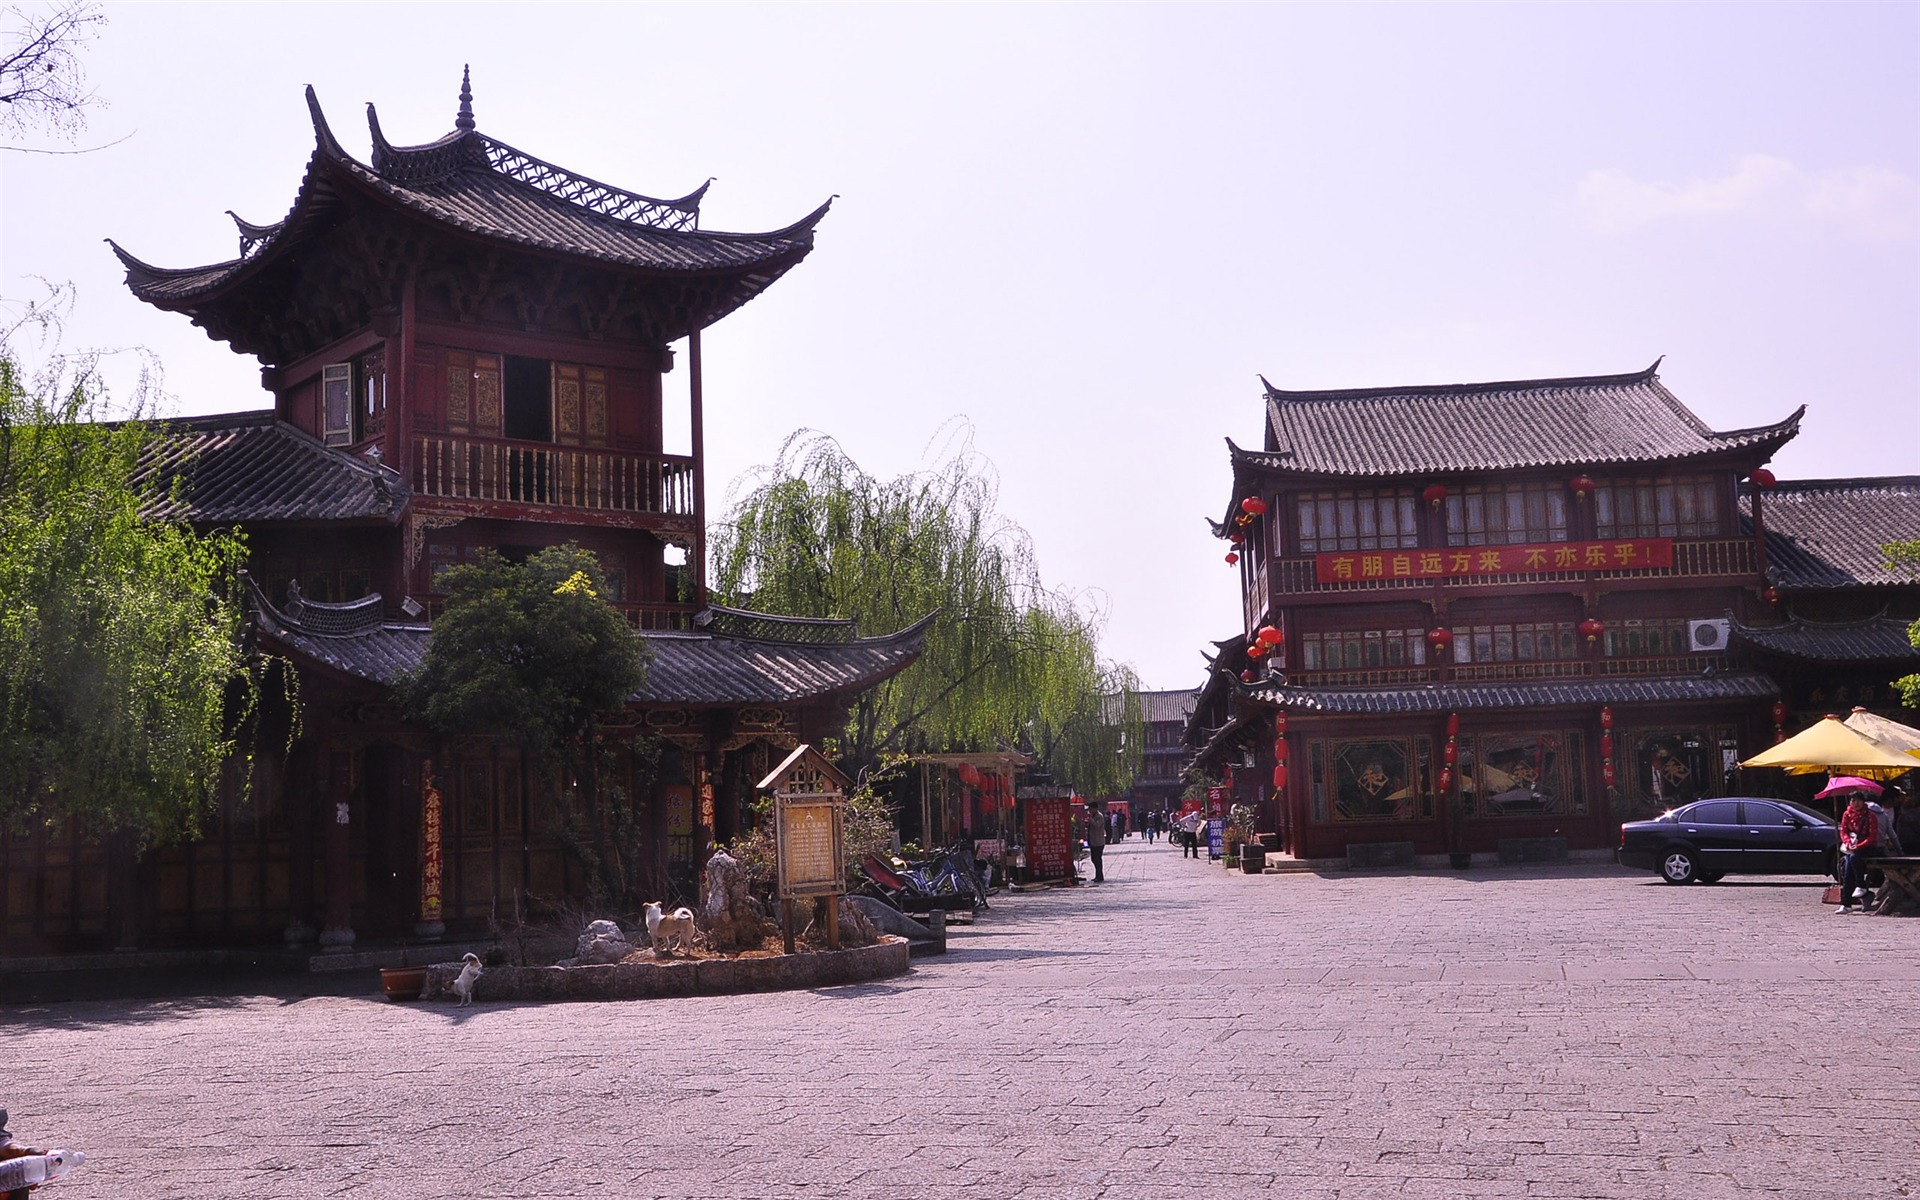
(553, 476)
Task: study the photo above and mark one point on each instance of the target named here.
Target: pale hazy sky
(1087, 228)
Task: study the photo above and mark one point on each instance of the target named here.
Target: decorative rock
(732, 917)
(888, 919)
(602, 942)
(855, 928)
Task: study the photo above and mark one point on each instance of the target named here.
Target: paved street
(1540, 1032)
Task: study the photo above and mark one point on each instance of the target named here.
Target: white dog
(663, 929)
(463, 984)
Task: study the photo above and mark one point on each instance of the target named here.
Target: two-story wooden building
(1506, 616)
(463, 348)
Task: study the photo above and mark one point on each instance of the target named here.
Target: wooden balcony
(1512, 672)
(549, 476)
(1716, 558)
(645, 617)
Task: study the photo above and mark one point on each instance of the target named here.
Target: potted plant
(403, 982)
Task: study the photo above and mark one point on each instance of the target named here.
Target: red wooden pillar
(697, 557)
(338, 933)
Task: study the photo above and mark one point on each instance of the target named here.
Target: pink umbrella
(1841, 784)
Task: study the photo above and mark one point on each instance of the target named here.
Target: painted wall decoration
(1373, 780)
(1519, 774)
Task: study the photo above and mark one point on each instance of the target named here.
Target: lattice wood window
(1684, 506)
(336, 404)
(579, 405)
(1507, 514)
(473, 393)
(1362, 520)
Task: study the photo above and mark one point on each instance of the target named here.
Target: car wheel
(1711, 876)
(1677, 865)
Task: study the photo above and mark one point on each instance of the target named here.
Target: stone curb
(677, 977)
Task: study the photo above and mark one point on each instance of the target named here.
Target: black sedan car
(1736, 835)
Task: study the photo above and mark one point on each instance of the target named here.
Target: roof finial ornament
(465, 119)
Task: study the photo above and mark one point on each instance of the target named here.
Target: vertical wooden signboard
(809, 806)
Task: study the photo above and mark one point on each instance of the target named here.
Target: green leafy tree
(1008, 662)
(123, 687)
(1905, 556)
(530, 651)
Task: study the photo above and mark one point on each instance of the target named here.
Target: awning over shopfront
(1830, 746)
(1532, 694)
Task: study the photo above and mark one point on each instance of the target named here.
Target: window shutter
(336, 404)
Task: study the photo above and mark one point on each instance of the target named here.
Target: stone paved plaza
(1180, 1031)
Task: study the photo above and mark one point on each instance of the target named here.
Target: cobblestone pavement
(1579, 1031)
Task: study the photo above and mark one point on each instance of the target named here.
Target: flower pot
(1253, 858)
(403, 983)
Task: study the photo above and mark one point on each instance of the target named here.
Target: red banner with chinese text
(1049, 838)
(1626, 554)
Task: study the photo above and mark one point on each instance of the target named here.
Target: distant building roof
(250, 467)
(688, 668)
(1828, 533)
(1589, 420)
(1157, 708)
(1555, 693)
(1876, 639)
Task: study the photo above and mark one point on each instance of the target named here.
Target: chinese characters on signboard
(1629, 554)
(1049, 838)
(807, 833)
(1216, 802)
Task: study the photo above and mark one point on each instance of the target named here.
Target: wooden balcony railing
(552, 476)
(1511, 672)
(1691, 559)
(645, 617)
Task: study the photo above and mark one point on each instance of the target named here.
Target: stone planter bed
(677, 976)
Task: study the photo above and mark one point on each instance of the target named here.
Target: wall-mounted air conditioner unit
(1709, 635)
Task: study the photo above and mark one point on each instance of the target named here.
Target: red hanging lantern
(1280, 750)
(1606, 745)
(1233, 556)
(1236, 537)
(1591, 629)
(1773, 595)
(1606, 773)
(1453, 726)
(1270, 635)
(1606, 718)
(1279, 777)
(1582, 486)
(1779, 712)
(1253, 506)
(1247, 676)
(1450, 753)
(1763, 479)
(1446, 780)
(1434, 494)
(1440, 639)
(1257, 650)
(1280, 721)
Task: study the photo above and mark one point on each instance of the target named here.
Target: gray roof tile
(1828, 533)
(1586, 421)
(688, 668)
(1569, 693)
(251, 467)
(1876, 639)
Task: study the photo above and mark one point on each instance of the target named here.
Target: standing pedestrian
(1190, 834)
(1097, 843)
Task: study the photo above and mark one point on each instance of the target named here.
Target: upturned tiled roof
(1876, 639)
(1587, 421)
(1157, 708)
(687, 668)
(477, 185)
(1828, 533)
(1556, 693)
(250, 467)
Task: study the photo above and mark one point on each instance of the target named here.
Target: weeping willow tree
(123, 682)
(1905, 558)
(1009, 663)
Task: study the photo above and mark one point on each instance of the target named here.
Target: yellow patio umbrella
(1904, 738)
(1830, 746)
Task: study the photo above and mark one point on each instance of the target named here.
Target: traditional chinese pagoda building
(464, 349)
(1499, 618)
